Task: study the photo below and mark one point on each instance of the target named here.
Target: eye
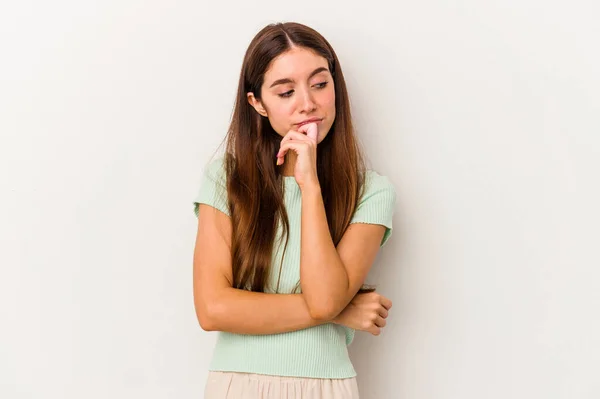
(321, 85)
(286, 94)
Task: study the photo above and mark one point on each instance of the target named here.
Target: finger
(283, 150)
(298, 134)
(294, 136)
(386, 303)
(290, 137)
(294, 146)
(380, 322)
(383, 312)
(311, 130)
(374, 330)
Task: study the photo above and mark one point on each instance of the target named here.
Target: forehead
(296, 63)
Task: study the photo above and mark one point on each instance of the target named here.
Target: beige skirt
(226, 385)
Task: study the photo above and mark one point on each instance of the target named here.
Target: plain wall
(483, 114)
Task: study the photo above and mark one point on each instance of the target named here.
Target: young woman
(289, 224)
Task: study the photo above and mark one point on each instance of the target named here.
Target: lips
(312, 120)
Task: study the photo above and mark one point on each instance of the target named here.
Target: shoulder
(214, 171)
(377, 203)
(379, 185)
(216, 166)
(378, 195)
(213, 188)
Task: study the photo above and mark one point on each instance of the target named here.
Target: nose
(307, 103)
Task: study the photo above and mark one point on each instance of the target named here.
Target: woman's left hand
(305, 147)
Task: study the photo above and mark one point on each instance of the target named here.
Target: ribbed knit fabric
(316, 352)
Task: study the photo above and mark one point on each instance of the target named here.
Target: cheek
(328, 100)
(329, 106)
(280, 117)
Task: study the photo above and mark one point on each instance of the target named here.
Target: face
(298, 87)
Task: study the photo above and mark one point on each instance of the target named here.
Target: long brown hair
(255, 186)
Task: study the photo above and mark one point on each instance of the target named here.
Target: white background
(483, 114)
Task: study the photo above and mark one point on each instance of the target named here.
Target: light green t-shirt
(315, 352)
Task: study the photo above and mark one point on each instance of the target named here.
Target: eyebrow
(288, 80)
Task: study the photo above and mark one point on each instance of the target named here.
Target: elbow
(321, 315)
(207, 317)
(206, 323)
(323, 312)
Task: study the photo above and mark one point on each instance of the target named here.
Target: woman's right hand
(366, 312)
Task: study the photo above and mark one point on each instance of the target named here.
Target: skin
(307, 92)
(297, 86)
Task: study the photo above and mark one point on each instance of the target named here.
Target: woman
(289, 224)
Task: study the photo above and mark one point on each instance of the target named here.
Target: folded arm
(219, 306)
(330, 277)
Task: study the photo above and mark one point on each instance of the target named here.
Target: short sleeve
(213, 187)
(377, 203)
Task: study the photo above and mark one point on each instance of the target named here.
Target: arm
(221, 307)
(328, 290)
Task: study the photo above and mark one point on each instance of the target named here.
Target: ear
(256, 104)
